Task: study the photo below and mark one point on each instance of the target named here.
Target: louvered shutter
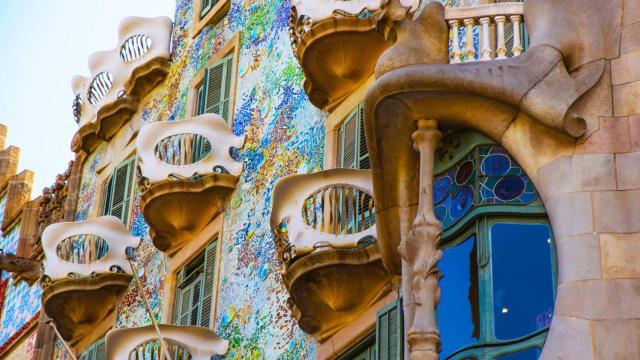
(389, 331)
(184, 309)
(101, 352)
(363, 151)
(348, 141)
(209, 279)
(201, 101)
(118, 191)
(218, 87)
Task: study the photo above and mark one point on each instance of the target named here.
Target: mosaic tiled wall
(284, 134)
(21, 302)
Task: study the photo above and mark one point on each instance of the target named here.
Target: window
(387, 341)
(194, 293)
(352, 148)
(96, 351)
(117, 192)
(208, 12)
(214, 93)
(365, 350)
(498, 289)
(205, 7)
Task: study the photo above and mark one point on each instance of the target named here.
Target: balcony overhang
(120, 78)
(332, 265)
(86, 272)
(183, 193)
(331, 56)
(177, 210)
(83, 309)
(331, 288)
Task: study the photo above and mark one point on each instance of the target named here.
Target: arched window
(499, 262)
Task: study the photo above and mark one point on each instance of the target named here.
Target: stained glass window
(498, 264)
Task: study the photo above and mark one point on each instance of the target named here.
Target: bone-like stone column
(419, 249)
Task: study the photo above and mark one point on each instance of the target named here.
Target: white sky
(44, 43)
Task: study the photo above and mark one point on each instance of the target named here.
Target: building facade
(396, 179)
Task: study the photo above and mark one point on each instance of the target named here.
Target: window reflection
(458, 312)
(529, 354)
(522, 279)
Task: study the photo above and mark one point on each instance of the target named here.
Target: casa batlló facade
(364, 179)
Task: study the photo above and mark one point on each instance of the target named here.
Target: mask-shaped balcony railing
(486, 32)
(329, 38)
(182, 342)
(85, 272)
(185, 166)
(324, 226)
(119, 79)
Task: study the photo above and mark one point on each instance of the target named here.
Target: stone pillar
(419, 249)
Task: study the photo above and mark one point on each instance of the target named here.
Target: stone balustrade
(196, 146)
(182, 342)
(330, 209)
(486, 32)
(88, 248)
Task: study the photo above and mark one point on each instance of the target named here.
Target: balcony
(486, 32)
(329, 38)
(120, 78)
(183, 342)
(86, 271)
(324, 226)
(185, 173)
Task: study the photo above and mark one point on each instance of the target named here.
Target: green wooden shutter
(209, 280)
(202, 94)
(187, 311)
(118, 191)
(218, 87)
(96, 351)
(353, 152)
(389, 332)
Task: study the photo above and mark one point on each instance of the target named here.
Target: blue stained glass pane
(509, 188)
(522, 278)
(458, 312)
(529, 354)
(496, 165)
(461, 203)
(441, 189)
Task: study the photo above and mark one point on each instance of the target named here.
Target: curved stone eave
(330, 288)
(81, 308)
(109, 121)
(399, 98)
(147, 77)
(178, 209)
(330, 54)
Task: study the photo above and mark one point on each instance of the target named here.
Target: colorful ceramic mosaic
(284, 135)
(21, 302)
(461, 188)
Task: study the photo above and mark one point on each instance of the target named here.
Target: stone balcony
(324, 226)
(182, 342)
(337, 44)
(185, 173)
(86, 271)
(119, 79)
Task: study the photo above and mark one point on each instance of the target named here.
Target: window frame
(230, 48)
(130, 191)
(185, 256)
(215, 14)
(478, 221)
